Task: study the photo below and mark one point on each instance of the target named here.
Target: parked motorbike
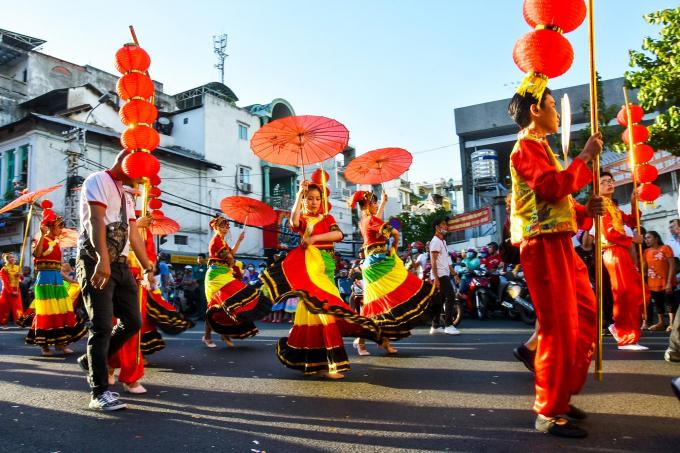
(517, 300)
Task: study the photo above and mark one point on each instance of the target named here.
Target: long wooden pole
(599, 374)
(636, 208)
(26, 231)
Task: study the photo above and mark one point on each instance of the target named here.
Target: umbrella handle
(23, 242)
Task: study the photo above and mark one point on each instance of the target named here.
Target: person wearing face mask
(395, 299)
(314, 344)
(440, 274)
(232, 305)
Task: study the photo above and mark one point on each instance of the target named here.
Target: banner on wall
(469, 220)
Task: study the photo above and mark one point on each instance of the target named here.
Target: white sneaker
(434, 330)
(613, 331)
(633, 347)
(451, 330)
(107, 401)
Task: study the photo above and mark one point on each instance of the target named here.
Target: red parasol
(378, 166)
(163, 226)
(248, 211)
(299, 140)
(67, 239)
(28, 197)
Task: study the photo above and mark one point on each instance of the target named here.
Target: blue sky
(391, 71)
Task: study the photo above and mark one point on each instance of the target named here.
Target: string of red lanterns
(645, 173)
(138, 114)
(544, 52)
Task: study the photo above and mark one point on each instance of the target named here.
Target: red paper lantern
(131, 57)
(316, 176)
(157, 214)
(140, 137)
(543, 51)
(646, 173)
(636, 114)
(140, 165)
(640, 134)
(134, 85)
(648, 192)
(46, 204)
(643, 153)
(155, 180)
(155, 203)
(566, 14)
(138, 111)
(154, 192)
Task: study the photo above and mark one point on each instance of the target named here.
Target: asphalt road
(441, 393)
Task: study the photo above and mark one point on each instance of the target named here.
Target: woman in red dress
(10, 297)
(394, 298)
(232, 305)
(322, 317)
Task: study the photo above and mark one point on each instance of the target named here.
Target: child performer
(232, 305)
(322, 317)
(625, 280)
(544, 217)
(394, 298)
(55, 323)
(10, 296)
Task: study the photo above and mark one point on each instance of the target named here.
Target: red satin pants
(566, 310)
(627, 293)
(129, 357)
(10, 303)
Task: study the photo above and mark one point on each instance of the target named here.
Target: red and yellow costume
(10, 297)
(232, 305)
(625, 279)
(322, 318)
(54, 322)
(544, 217)
(394, 298)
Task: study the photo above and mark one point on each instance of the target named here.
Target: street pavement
(441, 393)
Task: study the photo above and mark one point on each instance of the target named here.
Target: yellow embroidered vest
(529, 215)
(13, 271)
(616, 219)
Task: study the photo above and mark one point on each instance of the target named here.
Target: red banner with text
(469, 220)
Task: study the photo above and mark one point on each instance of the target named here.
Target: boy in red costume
(625, 279)
(544, 217)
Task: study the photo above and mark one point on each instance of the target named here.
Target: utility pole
(75, 139)
(220, 49)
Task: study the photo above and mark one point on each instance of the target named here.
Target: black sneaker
(107, 401)
(575, 413)
(83, 363)
(524, 355)
(558, 426)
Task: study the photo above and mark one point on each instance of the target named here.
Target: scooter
(517, 300)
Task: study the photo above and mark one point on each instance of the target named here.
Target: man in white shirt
(440, 274)
(107, 285)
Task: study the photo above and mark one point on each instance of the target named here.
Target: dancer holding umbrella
(394, 298)
(322, 318)
(232, 305)
(55, 323)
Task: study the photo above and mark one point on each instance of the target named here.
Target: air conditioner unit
(245, 187)
(346, 193)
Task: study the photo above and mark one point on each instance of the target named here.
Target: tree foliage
(657, 76)
(419, 227)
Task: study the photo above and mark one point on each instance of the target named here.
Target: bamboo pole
(599, 374)
(26, 231)
(636, 207)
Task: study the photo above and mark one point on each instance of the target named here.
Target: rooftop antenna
(220, 49)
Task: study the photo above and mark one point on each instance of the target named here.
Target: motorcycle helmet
(484, 250)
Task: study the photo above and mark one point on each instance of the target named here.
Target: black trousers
(444, 299)
(117, 299)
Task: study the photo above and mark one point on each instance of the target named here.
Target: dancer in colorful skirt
(55, 322)
(322, 318)
(623, 275)
(544, 217)
(10, 297)
(394, 298)
(232, 305)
